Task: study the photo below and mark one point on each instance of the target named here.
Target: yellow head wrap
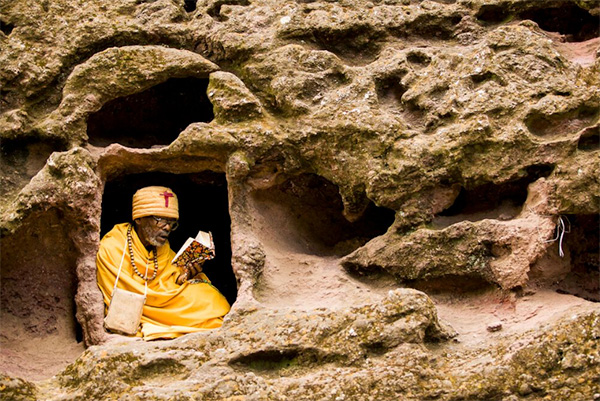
(155, 201)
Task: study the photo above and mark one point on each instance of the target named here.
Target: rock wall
(346, 151)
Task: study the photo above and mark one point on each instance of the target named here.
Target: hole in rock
(6, 27)
(582, 243)
(203, 205)
(492, 14)
(152, 117)
(418, 58)
(589, 139)
(39, 334)
(566, 18)
(22, 159)
(189, 5)
(561, 124)
(390, 90)
(491, 201)
(304, 215)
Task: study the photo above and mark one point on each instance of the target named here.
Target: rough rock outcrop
(344, 150)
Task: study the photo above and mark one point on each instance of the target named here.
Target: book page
(205, 238)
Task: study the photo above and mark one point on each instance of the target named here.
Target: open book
(195, 251)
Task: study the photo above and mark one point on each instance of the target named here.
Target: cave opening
(575, 23)
(39, 334)
(153, 117)
(6, 28)
(491, 201)
(189, 5)
(582, 239)
(304, 214)
(589, 140)
(203, 205)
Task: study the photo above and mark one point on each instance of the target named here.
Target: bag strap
(119, 272)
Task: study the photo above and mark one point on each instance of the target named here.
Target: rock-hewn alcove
(303, 214)
(203, 205)
(39, 332)
(155, 116)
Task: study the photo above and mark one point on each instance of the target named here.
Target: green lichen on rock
(475, 122)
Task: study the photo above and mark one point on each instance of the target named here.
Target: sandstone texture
(405, 195)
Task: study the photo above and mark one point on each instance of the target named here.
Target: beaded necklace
(130, 246)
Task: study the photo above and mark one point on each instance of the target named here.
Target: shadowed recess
(278, 360)
(153, 117)
(304, 214)
(561, 124)
(589, 139)
(203, 205)
(355, 45)
(491, 201)
(189, 5)
(566, 18)
(23, 158)
(6, 28)
(581, 241)
(215, 10)
(576, 24)
(390, 90)
(37, 273)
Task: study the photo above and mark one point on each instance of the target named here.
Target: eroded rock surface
(346, 151)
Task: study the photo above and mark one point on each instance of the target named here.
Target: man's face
(152, 232)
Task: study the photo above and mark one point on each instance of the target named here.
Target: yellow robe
(171, 310)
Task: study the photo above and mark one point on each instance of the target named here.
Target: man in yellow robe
(175, 305)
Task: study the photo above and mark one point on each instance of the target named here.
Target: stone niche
(153, 117)
(303, 215)
(203, 205)
(37, 304)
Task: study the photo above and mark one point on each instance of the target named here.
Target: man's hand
(189, 272)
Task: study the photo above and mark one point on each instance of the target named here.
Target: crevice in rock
(153, 117)
(355, 45)
(589, 140)
(215, 10)
(6, 28)
(561, 124)
(21, 159)
(203, 205)
(582, 242)
(429, 26)
(452, 284)
(491, 201)
(159, 368)
(304, 215)
(276, 361)
(39, 334)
